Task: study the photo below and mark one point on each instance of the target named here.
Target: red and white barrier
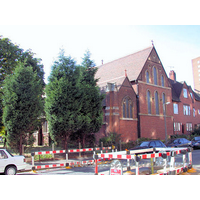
(143, 155)
(67, 162)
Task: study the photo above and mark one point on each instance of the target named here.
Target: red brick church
(137, 93)
(141, 100)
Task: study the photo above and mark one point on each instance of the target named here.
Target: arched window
(164, 103)
(157, 103)
(147, 76)
(155, 76)
(127, 107)
(163, 98)
(149, 101)
(162, 81)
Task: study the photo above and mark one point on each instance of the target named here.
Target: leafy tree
(23, 104)
(63, 100)
(10, 56)
(91, 109)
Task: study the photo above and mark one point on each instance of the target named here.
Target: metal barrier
(67, 164)
(138, 155)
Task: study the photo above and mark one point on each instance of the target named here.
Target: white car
(10, 164)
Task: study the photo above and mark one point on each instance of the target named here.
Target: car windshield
(197, 138)
(9, 153)
(144, 144)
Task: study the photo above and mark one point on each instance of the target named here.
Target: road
(104, 169)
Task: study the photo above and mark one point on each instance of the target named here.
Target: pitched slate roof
(177, 88)
(132, 63)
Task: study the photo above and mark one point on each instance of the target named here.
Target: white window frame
(185, 94)
(175, 106)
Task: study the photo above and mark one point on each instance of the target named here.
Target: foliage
(43, 157)
(23, 105)
(91, 109)
(63, 101)
(111, 139)
(10, 57)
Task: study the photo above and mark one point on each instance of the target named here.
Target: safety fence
(164, 153)
(67, 162)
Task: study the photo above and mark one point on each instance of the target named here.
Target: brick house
(137, 90)
(186, 106)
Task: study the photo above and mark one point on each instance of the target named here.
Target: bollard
(137, 160)
(67, 163)
(152, 165)
(96, 165)
(172, 164)
(128, 162)
(33, 164)
(164, 156)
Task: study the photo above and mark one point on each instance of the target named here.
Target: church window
(147, 76)
(157, 103)
(155, 76)
(127, 107)
(149, 101)
(162, 81)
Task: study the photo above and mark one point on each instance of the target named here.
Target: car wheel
(10, 170)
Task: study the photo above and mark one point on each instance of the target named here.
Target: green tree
(91, 109)
(10, 56)
(63, 100)
(23, 104)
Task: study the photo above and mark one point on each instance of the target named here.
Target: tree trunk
(20, 145)
(83, 146)
(66, 143)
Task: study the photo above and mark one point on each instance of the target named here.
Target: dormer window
(185, 94)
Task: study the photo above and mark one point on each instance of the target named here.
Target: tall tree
(23, 104)
(10, 56)
(92, 99)
(63, 99)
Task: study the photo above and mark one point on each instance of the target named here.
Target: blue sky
(176, 45)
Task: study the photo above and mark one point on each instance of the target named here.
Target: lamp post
(165, 120)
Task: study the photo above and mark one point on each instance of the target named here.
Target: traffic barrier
(67, 164)
(137, 155)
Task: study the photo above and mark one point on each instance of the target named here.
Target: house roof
(177, 88)
(133, 65)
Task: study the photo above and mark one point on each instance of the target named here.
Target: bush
(111, 139)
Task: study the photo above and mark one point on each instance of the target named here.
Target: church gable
(153, 57)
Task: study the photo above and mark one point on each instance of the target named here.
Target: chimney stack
(172, 75)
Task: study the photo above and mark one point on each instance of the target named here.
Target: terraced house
(141, 101)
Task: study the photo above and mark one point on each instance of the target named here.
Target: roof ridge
(126, 56)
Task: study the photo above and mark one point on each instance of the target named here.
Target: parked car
(196, 142)
(150, 144)
(179, 142)
(10, 164)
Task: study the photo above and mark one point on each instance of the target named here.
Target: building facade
(142, 101)
(150, 92)
(186, 106)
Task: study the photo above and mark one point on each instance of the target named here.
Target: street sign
(116, 168)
